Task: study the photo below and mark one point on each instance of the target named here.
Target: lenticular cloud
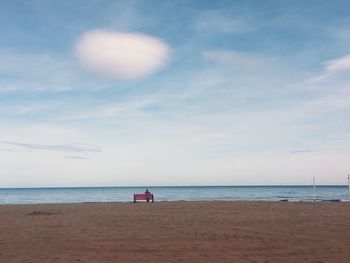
(121, 55)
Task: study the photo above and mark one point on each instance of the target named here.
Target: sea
(173, 193)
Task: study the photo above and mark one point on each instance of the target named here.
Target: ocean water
(188, 193)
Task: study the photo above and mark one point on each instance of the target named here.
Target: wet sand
(176, 232)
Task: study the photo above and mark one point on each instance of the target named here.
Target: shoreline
(188, 201)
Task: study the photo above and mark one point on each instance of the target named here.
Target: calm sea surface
(188, 193)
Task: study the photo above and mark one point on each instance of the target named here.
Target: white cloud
(121, 55)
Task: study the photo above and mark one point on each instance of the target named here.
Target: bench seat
(146, 197)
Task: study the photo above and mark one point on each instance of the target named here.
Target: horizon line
(179, 186)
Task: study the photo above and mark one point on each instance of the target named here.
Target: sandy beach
(176, 232)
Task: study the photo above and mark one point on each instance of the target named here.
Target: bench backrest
(143, 196)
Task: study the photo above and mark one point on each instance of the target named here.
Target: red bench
(146, 197)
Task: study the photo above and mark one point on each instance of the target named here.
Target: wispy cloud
(333, 67)
(7, 150)
(110, 110)
(339, 100)
(36, 71)
(73, 147)
(230, 56)
(76, 157)
(218, 21)
(301, 151)
(339, 64)
(126, 16)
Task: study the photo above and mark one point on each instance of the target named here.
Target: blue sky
(99, 93)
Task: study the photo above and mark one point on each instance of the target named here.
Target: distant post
(313, 180)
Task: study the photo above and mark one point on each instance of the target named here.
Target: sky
(146, 93)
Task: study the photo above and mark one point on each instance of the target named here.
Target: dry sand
(176, 232)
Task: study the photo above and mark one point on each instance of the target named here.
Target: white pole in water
(313, 180)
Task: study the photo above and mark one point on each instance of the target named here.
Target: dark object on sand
(331, 200)
(43, 213)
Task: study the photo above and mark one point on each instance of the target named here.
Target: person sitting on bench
(147, 192)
